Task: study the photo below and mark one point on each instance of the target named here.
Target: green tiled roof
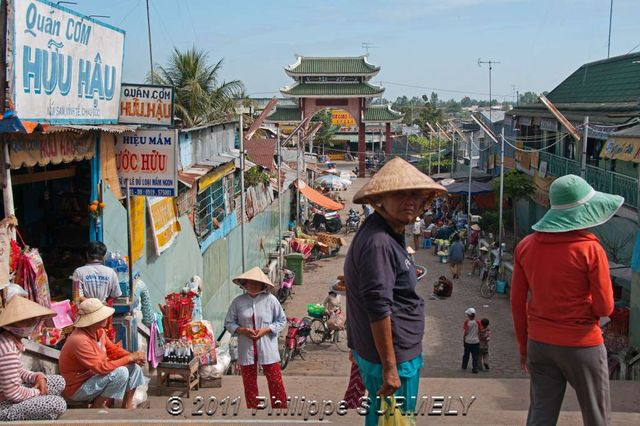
(382, 114)
(285, 114)
(614, 80)
(332, 90)
(608, 91)
(332, 66)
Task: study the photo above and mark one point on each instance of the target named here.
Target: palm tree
(199, 97)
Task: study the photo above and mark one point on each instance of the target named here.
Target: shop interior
(52, 208)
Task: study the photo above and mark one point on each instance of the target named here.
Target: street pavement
(502, 393)
(442, 341)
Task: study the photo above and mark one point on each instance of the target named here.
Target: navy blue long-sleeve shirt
(381, 281)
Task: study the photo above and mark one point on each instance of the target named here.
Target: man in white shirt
(95, 280)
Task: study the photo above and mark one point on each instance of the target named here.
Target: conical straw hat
(397, 175)
(19, 309)
(254, 274)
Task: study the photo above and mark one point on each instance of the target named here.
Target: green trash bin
(295, 263)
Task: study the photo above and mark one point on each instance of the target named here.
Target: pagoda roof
(332, 90)
(285, 114)
(335, 66)
(382, 114)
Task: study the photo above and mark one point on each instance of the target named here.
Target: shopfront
(51, 176)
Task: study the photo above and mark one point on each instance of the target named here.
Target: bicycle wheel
(340, 339)
(488, 288)
(286, 357)
(318, 331)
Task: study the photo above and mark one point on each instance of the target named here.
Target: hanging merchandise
(156, 345)
(31, 275)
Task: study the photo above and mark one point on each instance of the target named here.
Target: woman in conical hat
(257, 317)
(25, 395)
(384, 312)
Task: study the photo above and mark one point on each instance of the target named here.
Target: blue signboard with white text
(66, 68)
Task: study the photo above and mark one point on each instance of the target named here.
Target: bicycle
(488, 285)
(320, 333)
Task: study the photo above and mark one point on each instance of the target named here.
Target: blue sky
(425, 43)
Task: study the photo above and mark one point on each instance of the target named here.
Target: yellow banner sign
(56, 148)
(625, 149)
(215, 175)
(342, 118)
(137, 228)
(164, 222)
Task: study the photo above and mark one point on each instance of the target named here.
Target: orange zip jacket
(561, 287)
(82, 357)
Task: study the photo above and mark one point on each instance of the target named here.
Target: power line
(442, 90)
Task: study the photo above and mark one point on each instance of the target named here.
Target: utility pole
(610, 20)
(7, 192)
(151, 59)
(469, 196)
(500, 229)
(490, 62)
(453, 153)
(242, 190)
(280, 190)
(585, 142)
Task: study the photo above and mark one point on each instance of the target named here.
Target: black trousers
(474, 350)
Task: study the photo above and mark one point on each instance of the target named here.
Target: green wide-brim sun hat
(576, 205)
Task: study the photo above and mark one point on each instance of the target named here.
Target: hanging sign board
(66, 67)
(147, 159)
(625, 149)
(146, 105)
(137, 228)
(164, 222)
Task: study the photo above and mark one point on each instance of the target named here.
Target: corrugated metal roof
(261, 151)
(191, 175)
(235, 156)
(631, 132)
(108, 128)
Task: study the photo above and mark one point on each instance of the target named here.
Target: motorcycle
(329, 221)
(296, 340)
(284, 292)
(353, 221)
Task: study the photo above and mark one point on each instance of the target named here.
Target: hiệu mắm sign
(146, 105)
(147, 160)
(66, 67)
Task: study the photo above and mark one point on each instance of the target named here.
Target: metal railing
(600, 179)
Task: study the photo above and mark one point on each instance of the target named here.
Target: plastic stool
(426, 243)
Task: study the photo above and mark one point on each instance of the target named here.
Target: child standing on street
(485, 336)
(471, 340)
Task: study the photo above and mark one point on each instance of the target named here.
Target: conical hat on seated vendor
(395, 176)
(19, 309)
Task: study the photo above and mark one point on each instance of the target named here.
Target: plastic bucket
(501, 287)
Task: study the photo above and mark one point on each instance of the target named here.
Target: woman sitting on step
(25, 395)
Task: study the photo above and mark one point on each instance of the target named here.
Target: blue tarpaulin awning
(10, 123)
